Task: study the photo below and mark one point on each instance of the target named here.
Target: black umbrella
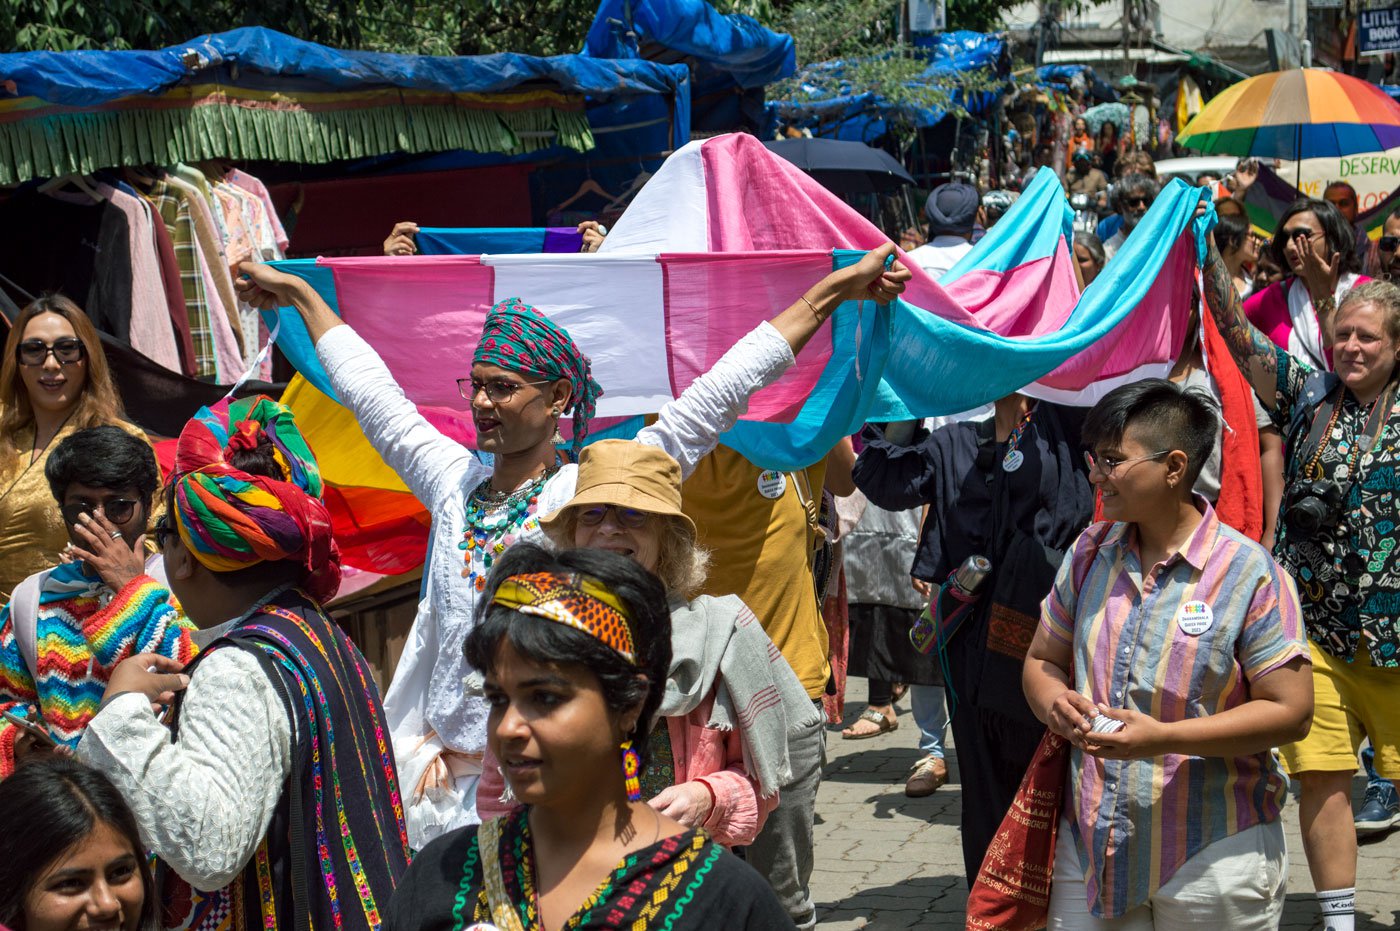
(844, 167)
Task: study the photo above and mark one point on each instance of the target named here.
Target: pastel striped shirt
(1183, 642)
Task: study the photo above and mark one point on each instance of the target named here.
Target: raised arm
(1253, 352)
(689, 427)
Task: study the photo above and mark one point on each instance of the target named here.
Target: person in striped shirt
(1171, 655)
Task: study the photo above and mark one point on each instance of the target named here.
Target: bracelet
(820, 318)
(710, 789)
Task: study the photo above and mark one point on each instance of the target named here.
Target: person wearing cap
(526, 373)
(1084, 178)
(952, 212)
(716, 767)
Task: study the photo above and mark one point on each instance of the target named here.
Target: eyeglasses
(630, 518)
(1137, 201)
(1108, 465)
(118, 510)
(36, 352)
(1389, 243)
(162, 531)
(1301, 232)
(498, 390)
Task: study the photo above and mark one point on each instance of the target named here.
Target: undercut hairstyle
(1340, 236)
(50, 807)
(103, 457)
(1230, 231)
(551, 643)
(1383, 294)
(1181, 418)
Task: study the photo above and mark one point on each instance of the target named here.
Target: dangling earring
(631, 770)
(558, 439)
(507, 796)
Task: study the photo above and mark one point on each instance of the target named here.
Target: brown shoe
(928, 777)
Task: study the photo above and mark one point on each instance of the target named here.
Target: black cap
(951, 208)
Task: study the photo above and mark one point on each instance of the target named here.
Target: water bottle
(965, 581)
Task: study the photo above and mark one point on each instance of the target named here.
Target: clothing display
(684, 883)
(151, 257)
(426, 709)
(279, 740)
(81, 630)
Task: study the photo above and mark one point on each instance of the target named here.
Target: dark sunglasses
(1137, 201)
(36, 351)
(630, 518)
(162, 531)
(1389, 243)
(118, 510)
(1301, 232)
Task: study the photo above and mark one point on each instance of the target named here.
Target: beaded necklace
(494, 522)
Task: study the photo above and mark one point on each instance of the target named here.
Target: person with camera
(1338, 531)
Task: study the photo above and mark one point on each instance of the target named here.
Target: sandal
(885, 725)
(898, 691)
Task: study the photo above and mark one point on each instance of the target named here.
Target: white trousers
(1236, 883)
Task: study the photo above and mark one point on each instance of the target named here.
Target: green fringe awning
(49, 144)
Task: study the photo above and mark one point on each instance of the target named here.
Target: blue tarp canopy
(849, 113)
(91, 78)
(257, 94)
(731, 57)
(737, 47)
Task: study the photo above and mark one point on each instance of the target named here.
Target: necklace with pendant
(494, 522)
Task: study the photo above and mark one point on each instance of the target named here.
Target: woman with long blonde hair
(54, 380)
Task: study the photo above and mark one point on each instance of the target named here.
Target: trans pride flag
(724, 236)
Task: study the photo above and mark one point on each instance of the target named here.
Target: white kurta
(427, 693)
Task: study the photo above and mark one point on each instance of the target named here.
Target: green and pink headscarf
(518, 337)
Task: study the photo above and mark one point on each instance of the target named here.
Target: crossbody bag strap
(24, 616)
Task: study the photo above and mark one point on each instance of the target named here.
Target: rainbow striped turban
(518, 337)
(231, 519)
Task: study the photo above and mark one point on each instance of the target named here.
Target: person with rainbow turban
(274, 735)
(526, 373)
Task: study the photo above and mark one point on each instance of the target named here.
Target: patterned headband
(572, 600)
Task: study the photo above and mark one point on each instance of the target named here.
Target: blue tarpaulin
(738, 47)
(864, 116)
(92, 78)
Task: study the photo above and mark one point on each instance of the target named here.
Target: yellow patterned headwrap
(573, 600)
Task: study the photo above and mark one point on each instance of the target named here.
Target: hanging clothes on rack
(151, 332)
(58, 241)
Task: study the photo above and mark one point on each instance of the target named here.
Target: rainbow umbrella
(1297, 114)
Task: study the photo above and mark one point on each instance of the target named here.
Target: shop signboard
(1378, 30)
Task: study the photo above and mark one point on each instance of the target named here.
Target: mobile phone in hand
(30, 728)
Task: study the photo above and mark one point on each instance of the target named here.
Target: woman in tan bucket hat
(731, 699)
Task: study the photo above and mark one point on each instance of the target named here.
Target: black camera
(1312, 507)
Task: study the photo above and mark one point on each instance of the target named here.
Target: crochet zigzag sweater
(83, 630)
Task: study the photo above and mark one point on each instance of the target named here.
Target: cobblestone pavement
(887, 861)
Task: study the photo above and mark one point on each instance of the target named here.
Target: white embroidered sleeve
(204, 802)
(690, 426)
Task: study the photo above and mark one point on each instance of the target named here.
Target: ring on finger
(116, 534)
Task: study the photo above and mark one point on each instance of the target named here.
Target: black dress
(1023, 520)
(684, 883)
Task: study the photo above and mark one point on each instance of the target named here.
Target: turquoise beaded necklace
(494, 522)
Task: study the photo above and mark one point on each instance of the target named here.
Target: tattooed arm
(1254, 353)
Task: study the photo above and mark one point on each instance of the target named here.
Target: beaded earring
(631, 771)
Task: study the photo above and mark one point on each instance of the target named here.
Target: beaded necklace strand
(494, 522)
